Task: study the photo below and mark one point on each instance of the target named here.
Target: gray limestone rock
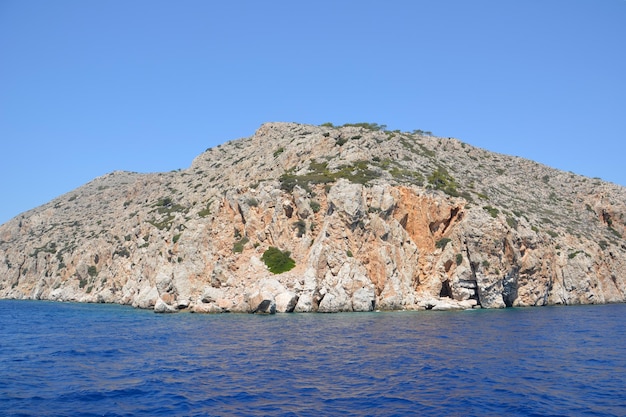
(162, 307)
(364, 299)
(305, 303)
(371, 219)
(261, 302)
(347, 199)
(211, 294)
(335, 301)
(286, 302)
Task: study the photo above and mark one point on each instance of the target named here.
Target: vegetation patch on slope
(278, 261)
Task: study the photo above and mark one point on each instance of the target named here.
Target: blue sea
(62, 359)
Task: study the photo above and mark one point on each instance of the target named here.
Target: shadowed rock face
(372, 219)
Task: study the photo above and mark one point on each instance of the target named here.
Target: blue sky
(89, 87)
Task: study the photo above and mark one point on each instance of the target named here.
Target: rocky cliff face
(372, 219)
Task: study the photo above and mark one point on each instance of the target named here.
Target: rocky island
(301, 218)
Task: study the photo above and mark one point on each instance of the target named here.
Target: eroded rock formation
(373, 220)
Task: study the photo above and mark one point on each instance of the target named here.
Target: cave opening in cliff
(446, 291)
(509, 287)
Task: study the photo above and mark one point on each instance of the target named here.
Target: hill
(324, 218)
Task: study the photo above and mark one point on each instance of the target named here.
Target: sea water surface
(59, 359)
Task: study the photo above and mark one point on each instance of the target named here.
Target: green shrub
(358, 173)
(492, 211)
(207, 211)
(49, 248)
(573, 254)
(315, 206)
(163, 202)
(369, 126)
(164, 224)
(441, 243)
(615, 232)
(278, 261)
(300, 225)
(122, 252)
(440, 179)
(459, 259)
(340, 141)
(278, 151)
(319, 173)
(238, 245)
(405, 175)
(511, 222)
(175, 238)
(92, 271)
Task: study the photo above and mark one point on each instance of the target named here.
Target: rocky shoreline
(368, 220)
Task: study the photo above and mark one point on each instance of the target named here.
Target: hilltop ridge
(359, 218)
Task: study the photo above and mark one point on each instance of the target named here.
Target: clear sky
(89, 87)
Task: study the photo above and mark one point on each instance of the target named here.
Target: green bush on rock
(278, 261)
(440, 179)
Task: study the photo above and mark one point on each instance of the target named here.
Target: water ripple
(73, 359)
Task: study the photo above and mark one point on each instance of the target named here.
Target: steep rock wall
(363, 235)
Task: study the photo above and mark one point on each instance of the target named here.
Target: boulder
(162, 307)
(305, 303)
(335, 301)
(364, 299)
(147, 297)
(261, 302)
(211, 294)
(286, 302)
